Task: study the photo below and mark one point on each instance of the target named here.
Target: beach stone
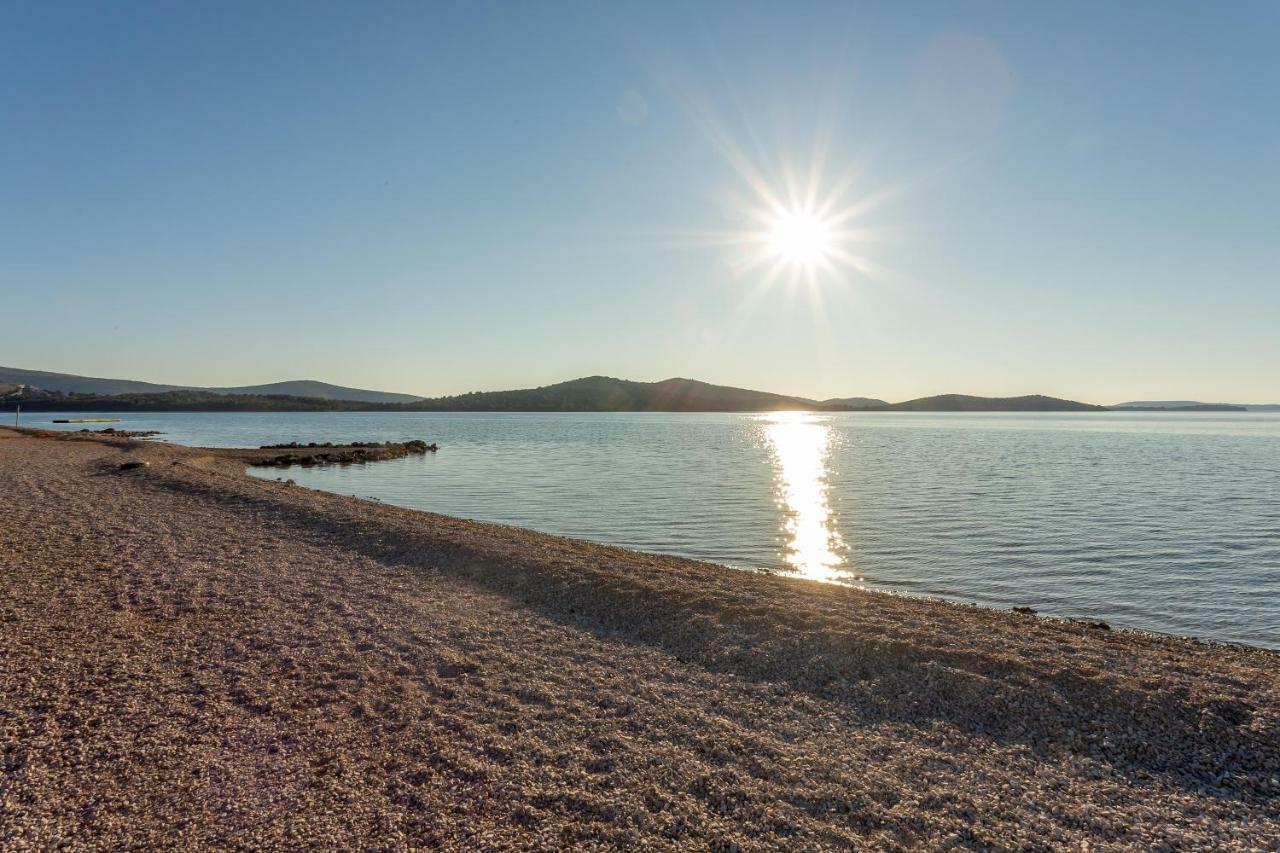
(199, 659)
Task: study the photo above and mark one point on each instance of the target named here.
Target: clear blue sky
(1076, 199)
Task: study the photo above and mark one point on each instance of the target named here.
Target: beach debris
(1029, 611)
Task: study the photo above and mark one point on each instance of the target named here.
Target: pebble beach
(193, 658)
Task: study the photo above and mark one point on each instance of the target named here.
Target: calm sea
(1164, 522)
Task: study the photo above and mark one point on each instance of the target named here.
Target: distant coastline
(589, 394)
(1196, 407)
(69, 393)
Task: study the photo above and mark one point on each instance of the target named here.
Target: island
(588, 394)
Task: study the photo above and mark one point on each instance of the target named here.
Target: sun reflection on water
(800, 444)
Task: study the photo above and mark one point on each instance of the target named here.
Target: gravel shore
(193, 658)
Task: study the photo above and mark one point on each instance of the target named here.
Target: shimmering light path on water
(1166, 522)
(801, 445)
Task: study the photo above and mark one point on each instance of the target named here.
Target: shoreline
(284, 456)
(485, 685)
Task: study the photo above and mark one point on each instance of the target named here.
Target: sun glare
(801, 238)
(797, 221)
(801, 444)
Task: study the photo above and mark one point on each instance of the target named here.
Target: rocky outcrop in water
(326, 453)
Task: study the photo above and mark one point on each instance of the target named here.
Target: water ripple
(1164, 522)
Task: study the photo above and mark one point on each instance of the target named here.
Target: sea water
(1167, 522)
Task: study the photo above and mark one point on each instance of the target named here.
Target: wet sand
(190, 657)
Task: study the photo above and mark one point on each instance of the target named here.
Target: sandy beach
(191, 657)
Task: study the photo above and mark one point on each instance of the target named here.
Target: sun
(802, 221)
(800, 238)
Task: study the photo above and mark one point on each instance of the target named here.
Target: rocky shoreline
(193, 657)
(268, 455)
(285, 455)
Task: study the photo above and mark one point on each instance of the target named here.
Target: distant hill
(1187, 407)
(59, 391)
(36, 400)
(70, 383)
(965, 403)
(1158, 404)
(79, 384)
(1192, 406)
(606, 394)
(592, 394)
(317, 390)
(856, 402)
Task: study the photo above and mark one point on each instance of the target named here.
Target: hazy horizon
(894, 201)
